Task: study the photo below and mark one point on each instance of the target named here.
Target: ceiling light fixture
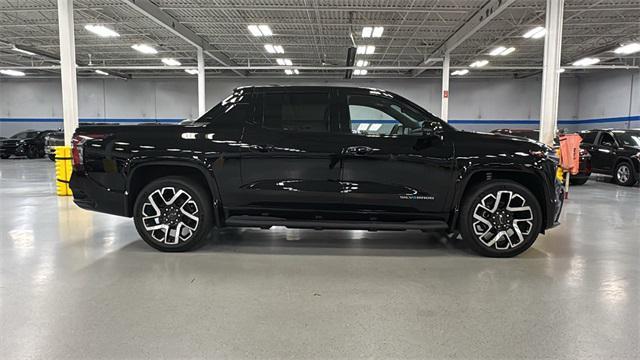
(375, 32)
(274, 49)
(365, 49)
(23, 51)
(361, 63)
(535, 33)
(191, 71)
(502, 51)
(292, 72)
(260, 30)
(628, 49)
(144, 48)
(460, 72)
(101, 30)
(12, 72)
(479, 63)
(284, 62)
(588, 61)
(171, 62)
(360, 72)
(100, 72)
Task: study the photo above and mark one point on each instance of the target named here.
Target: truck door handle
(358, 150)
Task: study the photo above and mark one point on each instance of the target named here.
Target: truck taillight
(77, 146)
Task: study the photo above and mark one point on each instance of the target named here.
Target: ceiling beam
(479, 19)
(153, 12)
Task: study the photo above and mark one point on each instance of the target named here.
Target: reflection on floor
(82, 285)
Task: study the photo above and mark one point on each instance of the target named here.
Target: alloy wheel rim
(502, 220)
(170, 215)
(623, 173)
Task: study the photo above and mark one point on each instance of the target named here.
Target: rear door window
(589, 137)
(300, 112)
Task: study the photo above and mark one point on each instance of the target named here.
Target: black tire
(32, 152)
(624, 174)
(578, 181)
(501, 220)
(169, 216)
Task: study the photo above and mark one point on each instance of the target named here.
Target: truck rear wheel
(500, 218)
(173, 214)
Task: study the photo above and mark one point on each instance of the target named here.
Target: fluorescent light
(101, 30)
(273, 49)
(362, 63)
(369, 31)
(26, 52)
(12, 72)
(586, 61)
(361, 49)
(144, 48)
(370, 49)
(375, 127)
(363, 127)
(265, 29)
(508, 51)
(260, 30)
(191, 71)
(171, 62)
(360, 72)
(479, 63)
(497, 51)
(296, 71)
(535, 33)
(460, 72)
(100, 72)
(291, 72)
(284, 62)
(628, 49)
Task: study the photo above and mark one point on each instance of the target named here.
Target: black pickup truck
(318, 158)
(28, 143)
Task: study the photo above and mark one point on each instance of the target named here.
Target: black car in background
(28, 142)
(614, 153)
(299, 157)
(584, 170)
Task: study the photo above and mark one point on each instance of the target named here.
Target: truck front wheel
(500, 218)
(173, 214)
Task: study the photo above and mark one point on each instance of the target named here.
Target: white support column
(68, 69)
(444, 110)
(202, 106)
(551, 71)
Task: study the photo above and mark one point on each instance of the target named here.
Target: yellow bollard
(63, 170)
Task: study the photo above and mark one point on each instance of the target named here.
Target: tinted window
(25, 135)
(372, 115)
(606, 140)
(233, 110)
(588, 137)
(296, 111)
(629, 138)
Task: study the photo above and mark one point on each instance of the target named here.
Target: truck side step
(265, 222)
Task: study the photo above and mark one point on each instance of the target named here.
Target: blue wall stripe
(465, 122)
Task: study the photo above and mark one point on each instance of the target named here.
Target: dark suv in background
(614, 153)
(318, 158)
(28, 142)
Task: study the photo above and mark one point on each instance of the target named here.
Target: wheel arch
(530, 180)
(142, 174)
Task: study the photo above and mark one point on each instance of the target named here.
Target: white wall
(475, 104)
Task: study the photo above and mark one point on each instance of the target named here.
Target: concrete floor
(77, 284)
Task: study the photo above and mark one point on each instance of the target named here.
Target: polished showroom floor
(77, 284)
